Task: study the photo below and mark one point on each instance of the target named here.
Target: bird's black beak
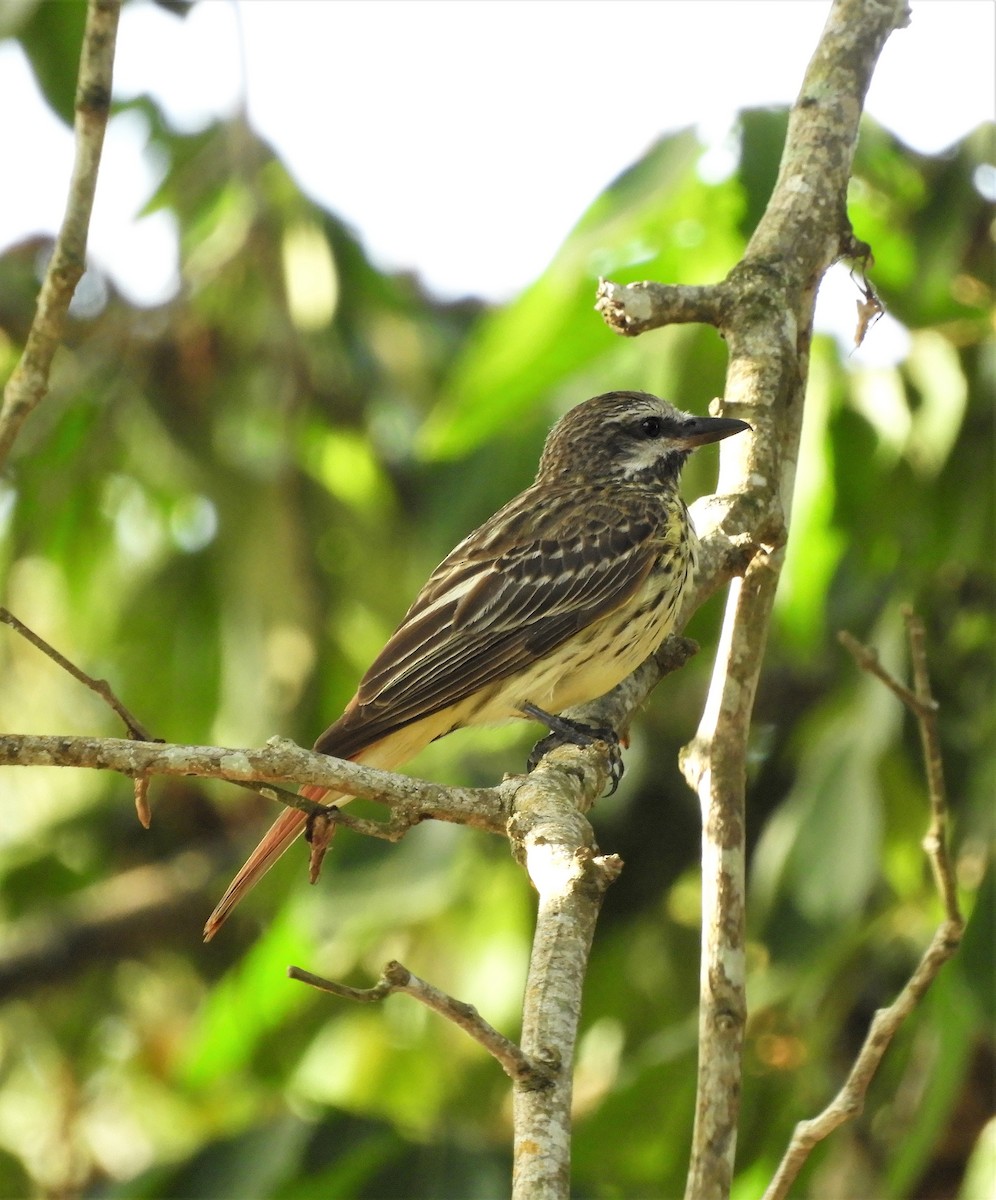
(700, 431)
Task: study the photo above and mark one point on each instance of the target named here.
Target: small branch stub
(635, 308)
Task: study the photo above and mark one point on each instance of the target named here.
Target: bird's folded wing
(497, 604)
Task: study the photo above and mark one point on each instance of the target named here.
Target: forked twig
(867, 659)
(849, 1101)
(936, 838)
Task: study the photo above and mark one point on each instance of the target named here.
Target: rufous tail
(286, 829)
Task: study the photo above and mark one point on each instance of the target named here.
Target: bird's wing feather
(516, 589)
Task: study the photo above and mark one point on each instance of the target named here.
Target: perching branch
(764, 310)
(849, 1101)
(69, 752)
(554, 841)
(543, 817)
(280, 761)
(28, 383)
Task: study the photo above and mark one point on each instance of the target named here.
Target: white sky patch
(464, 140)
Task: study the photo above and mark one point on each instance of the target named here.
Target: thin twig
(936, 838)
(850, 1100)
(103, 689)
(371, 995)
(921, 703)
(28, 382)
(867, 659)
(397, 978)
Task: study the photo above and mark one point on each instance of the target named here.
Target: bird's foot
(565, 732)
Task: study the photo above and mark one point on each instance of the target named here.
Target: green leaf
(658, 220)
(52, 37)
(822, 848)
(251, 1166)
(254, 997)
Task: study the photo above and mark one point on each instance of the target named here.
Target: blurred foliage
(225, 505)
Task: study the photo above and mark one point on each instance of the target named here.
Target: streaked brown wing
(541, 569)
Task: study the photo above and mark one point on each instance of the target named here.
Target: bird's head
(632, 437)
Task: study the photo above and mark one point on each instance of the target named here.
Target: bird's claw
(565, 732)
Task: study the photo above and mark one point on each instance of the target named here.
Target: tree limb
(28, 383)
(714, 764)
(640, 307)
(542, 814)
(764, 310)
(280, 760)
(554, 841)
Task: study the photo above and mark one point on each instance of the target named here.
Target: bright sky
(464, 139)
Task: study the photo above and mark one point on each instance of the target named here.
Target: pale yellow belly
(597, 659)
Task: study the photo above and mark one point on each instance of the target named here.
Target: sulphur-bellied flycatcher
(550, 603)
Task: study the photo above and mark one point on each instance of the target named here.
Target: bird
(550, 603)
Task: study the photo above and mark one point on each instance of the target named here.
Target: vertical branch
(714, 765)
(28, 382)
(764, 309)
(554, 841)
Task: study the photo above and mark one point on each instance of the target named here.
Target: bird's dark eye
(651, 427)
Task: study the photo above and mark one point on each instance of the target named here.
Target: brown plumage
(552, 602)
